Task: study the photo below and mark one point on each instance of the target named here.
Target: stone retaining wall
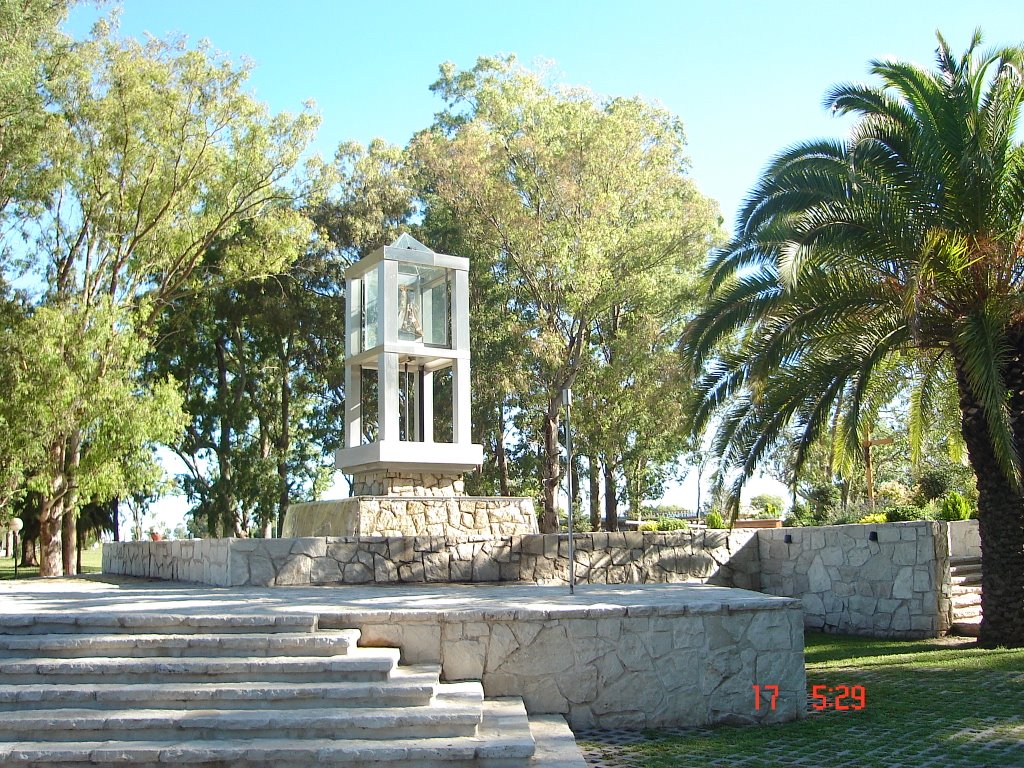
(681, 659)
(388, 516)
(389, 482)
(894, 586)
(715, 557)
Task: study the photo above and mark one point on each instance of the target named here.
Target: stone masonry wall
(401, 483)
(387, 516)
(685, 660)
(714, 557)
(895, 586)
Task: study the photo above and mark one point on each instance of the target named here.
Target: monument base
(378, 516)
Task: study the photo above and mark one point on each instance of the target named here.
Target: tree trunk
(611, 508)
(595, 493)
(1000, 509)
(28, 552)
(51, 513)
(284, 443)
(552, 470)
(501, 457)
(575, 491)
(69, 519)
(226, 494)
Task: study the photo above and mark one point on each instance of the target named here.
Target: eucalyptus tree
(573, 199)
(899, 248)
(158, 153)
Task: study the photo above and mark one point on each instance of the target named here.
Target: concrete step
(167, 645)
(964, 580)
(502, 739)
(150, 623)
(72, 725)
(360, 664)
(967, 627)
(408, 686)
(964, 599)
(965, 562)
(963, 614)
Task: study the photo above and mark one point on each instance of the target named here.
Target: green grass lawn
(91, 563)
(929, 703)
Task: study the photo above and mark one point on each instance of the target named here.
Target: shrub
(874, 519)
(648, 525)
(955, 507)
(902, 513)
(715, 519)
(672, 524)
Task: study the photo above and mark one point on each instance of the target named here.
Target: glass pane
(423, 305)
(368, 404)
(409, 415)
(369, 318)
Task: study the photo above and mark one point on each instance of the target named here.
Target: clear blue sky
(747, 78)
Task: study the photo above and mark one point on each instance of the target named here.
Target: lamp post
(567, 402)
(15, 525)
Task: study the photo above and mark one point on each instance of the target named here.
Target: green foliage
(153, 158)
(901, 513)
(579, 214)
(664, 524)
(874, 518)
(671, 524)
(714, 519)
(823, 321)
(767, 506)
(955, 507)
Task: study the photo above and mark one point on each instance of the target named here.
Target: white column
(353, 406)
(427, 397)
(460, 402)
(387, 396)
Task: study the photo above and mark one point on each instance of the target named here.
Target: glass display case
(407, 355)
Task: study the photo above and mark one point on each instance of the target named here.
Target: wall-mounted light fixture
(788, 538)
(873, 536)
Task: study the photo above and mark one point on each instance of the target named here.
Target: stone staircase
(237, 691)
(965, 577)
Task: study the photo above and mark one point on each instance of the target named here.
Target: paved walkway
(105, 594)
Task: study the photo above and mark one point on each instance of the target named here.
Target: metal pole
(567, 402)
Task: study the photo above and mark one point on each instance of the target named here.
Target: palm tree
(894, 256)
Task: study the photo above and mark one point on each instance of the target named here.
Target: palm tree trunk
(1000, 510)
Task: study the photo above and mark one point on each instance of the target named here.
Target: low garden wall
(890, 580)
(716, 557)
(682, 657)
(894, 584)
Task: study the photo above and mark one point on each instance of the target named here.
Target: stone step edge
(413, 678)
(19, 623)
(230, 641)
(254, 724)
(503, 735)
(359, 659)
